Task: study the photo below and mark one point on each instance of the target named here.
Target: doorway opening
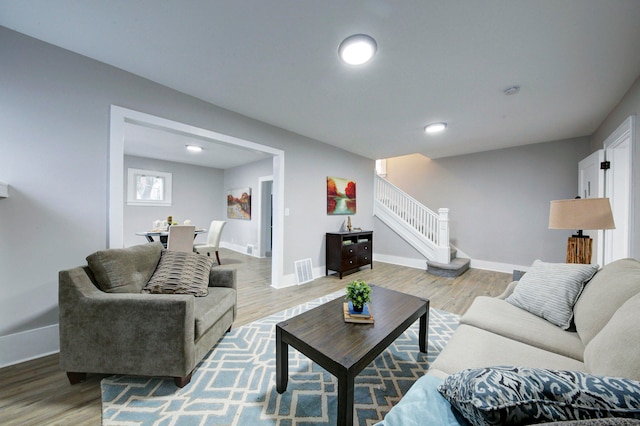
(266, 216)
(120, 116)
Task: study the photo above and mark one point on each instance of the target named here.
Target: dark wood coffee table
(345, 349)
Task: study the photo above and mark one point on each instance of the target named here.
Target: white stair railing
(425, 230)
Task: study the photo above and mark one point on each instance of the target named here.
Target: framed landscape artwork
(341, 196)
(239, 203)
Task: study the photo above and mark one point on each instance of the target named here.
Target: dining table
(162, 235)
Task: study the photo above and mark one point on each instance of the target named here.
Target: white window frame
(132, 196)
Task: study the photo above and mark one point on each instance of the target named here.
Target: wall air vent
(304, 272)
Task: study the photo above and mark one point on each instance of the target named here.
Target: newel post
(443, 228)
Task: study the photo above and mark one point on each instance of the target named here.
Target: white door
(618, 152)
(591, 185)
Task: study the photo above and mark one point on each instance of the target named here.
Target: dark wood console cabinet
(349, 250)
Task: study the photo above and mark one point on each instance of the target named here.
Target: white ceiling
(437, 60)
(164, 144)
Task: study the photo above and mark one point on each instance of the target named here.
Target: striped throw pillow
(180, 273)
(549, 290)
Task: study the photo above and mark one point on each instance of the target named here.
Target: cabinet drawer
(350, 250)
(349, 263)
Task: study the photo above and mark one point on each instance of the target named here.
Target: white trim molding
(28, 345)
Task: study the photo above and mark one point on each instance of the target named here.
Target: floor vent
(304, 272)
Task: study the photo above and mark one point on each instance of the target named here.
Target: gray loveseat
(124, 331)
(603, 343)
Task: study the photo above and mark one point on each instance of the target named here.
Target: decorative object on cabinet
(341, 196)
(4, 190)
(579, 214)
(239, 203)
(346, 251)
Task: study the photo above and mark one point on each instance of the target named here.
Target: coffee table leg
(345, 399)
(423, 333)
(282, 362)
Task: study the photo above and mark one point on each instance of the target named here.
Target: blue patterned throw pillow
(520, 395)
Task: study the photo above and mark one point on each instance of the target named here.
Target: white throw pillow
(549, 290)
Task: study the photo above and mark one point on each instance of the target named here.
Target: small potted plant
(358, 293)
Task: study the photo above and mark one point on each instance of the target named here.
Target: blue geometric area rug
(235, 383)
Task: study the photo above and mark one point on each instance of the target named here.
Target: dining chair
(213, 240)
(181, 238)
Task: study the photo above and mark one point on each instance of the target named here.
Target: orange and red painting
(239, 204)
(341, 196)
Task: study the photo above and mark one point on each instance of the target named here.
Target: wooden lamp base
(579, 249)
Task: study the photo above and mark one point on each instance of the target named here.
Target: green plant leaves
(358, 292)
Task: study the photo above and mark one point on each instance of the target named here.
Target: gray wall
(498, 200)
(196, 195)
(239, 232)
(628, 105)
(54, 137)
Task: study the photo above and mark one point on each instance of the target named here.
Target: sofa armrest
(117, 332)
(507, 291)
(222, 277)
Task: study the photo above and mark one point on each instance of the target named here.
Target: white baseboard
(28, 345)
(496, 266)
(422, 263)
(240, 249)
(401, 261)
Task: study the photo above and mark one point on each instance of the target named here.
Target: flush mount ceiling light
(194, 148)
(357, 49)
(435, 127)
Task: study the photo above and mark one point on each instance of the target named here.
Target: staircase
(423, 229)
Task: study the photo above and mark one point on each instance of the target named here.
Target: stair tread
(457, 263)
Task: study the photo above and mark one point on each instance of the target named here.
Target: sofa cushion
(423, 405)
(472, 347)
(180, 273)
(498, 316)
(208, 310)
(612, 286)
(614, 350)
(549, 290)
(124, 270)
(518, 395)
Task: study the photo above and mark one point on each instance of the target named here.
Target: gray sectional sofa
(603, 342)
(111, 320)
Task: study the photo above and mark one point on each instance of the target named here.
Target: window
(148, 188)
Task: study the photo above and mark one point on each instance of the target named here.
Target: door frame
(624, 132)
(265, 216)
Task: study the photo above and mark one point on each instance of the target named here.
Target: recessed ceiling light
(357, 49)
(194, 148)
(435, 127)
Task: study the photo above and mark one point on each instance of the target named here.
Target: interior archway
(120, 116)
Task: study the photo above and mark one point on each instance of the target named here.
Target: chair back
(181, 238)
(215, 231)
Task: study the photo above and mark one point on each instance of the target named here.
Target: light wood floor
(38, 393)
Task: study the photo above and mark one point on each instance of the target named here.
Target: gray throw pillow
(549, 290)
(524, 396)
(181, 273)
(124, 270)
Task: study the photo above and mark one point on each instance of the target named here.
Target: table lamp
(579, 214)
